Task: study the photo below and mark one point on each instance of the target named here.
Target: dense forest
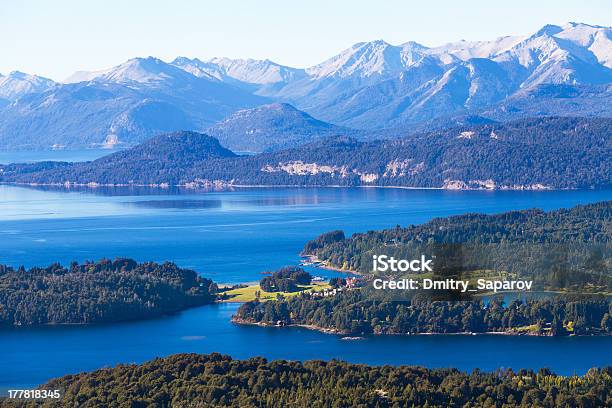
(563, 249)
(526, 154)
(190, 380)
(361, 312)
(94, 292)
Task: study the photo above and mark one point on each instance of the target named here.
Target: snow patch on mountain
(148, 71)
(465, 50)
(17, 84)
(261, 72)
(369, 59)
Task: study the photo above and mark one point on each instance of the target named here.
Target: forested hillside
(362, 312)
(216, 380)
(545, 153)
(273, 127)
(564, 248)
(95, 292)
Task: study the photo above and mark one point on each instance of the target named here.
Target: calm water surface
(229, 236)
(34, 355)
(19, 156)
(233, 237)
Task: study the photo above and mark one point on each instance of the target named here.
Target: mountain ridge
(124, 105)
(17, 84)
(534, 154)
(369, 86)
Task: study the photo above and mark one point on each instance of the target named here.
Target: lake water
(31, 356)
(233, 237)
(20, 156)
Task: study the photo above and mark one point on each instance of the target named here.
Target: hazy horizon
(99, 35)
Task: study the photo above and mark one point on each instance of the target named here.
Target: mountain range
(558, 70)
(541, 153)
(121, 106)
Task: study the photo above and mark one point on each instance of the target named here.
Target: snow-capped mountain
(123, 105)
(597, 39)
(560, 70)
(464, 50)
(557, 55)
(369, 59)
(376, 84)
(147, 71)
(248, 71)
(583, 38)
(17, 84)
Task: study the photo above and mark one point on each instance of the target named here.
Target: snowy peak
(588, 43)
(17, 84)
(596, 39)
(533, 51)
(572, 54)
(582, 34)
(464, 50)
(573, 40)
(82, 76)
(141, 70)
(372, 59)
(197, 67)
(260, 72)
(257, 71)
(548, 29)
(148, 70)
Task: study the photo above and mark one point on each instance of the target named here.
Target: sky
(56, 38)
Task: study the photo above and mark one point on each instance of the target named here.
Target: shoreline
(324, 330)
(110, 322)
(314, 259)
(227, 187)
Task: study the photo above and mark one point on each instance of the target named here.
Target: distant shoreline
(228, 187)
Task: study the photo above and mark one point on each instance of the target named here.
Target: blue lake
(20, 156)
(34, 355)
(230, 236)
(233, 237)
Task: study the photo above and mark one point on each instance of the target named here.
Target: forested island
(566, 249)
(97, 292)
(532, 154)
(218, 380)
(359, 312)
